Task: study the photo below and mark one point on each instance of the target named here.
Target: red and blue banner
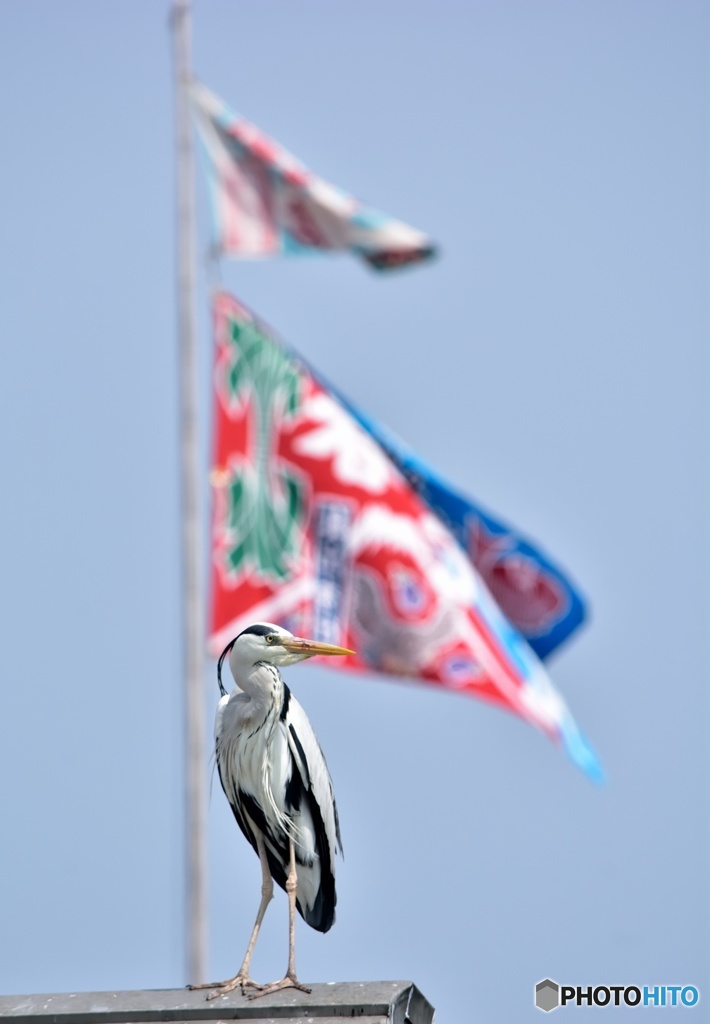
(266, 203)
(317, 526)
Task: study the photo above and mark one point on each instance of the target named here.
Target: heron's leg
(242, 977)
(290, 981)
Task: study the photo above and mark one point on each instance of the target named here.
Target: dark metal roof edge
(400, 1002)
(411, 1007)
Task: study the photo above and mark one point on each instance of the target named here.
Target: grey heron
(275, 778)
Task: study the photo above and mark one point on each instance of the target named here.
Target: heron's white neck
(261, 682)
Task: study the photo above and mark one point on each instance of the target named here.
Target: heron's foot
(221, 988)
(290, 981)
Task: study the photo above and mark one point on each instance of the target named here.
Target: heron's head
(266, 642)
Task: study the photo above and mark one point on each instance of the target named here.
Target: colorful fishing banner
(316, 528)
(266, 203)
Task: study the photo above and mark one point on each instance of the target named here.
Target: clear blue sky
(552, 363)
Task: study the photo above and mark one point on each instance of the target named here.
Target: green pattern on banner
(266, 501)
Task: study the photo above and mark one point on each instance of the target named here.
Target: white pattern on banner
(332, 526)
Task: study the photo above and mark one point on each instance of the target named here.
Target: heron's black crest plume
(222, 656)
(259, 629)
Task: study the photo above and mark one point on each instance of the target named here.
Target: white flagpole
(195, 762)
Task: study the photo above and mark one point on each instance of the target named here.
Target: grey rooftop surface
(372, 1002)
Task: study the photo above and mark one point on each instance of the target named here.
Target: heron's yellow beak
(309, 648)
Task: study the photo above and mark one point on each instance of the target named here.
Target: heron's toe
(290, 981)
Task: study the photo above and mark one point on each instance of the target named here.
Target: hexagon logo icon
(547, 995)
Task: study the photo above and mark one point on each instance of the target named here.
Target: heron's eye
(270, 638)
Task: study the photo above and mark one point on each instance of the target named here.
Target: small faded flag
(316, 527)
(266, 203)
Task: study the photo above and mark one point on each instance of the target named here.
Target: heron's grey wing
(310, 795)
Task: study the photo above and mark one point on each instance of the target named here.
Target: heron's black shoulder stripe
(295, 790)
(302, 755)
(285, 703)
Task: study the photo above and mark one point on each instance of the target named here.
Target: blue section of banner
(534, 594)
